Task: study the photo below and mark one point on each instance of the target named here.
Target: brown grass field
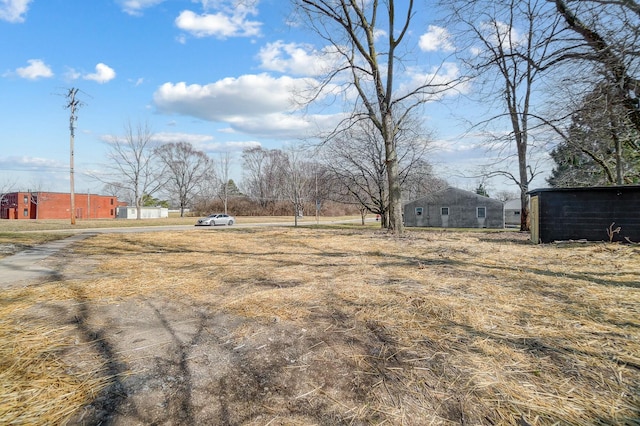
(325, 326)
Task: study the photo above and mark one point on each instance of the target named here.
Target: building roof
(585, 188)
(451, 189)
(513, 204)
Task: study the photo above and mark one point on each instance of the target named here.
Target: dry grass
(433, 328)
(17, 235)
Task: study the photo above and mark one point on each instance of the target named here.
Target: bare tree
(353, 29)
(134, 164)
(6, 186)
(358, 165)
(357, 162)
(299, 180)
(187, 170)
(421, 180)
(505, 195)
(264, 175)
(509, 44)
(610, 32)
(224, 164)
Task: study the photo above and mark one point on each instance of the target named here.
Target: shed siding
(587, 213)
(462, 207)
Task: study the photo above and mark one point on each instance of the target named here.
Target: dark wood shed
(561, 214)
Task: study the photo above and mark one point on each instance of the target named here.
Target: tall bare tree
(299, 186)
(358, 165)
(264, 175)
(508, 45)
(222, 173)
(367, 36)
(610, 34)
(187, 169)
(134, 164)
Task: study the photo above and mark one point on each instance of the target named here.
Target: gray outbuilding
(454, 208)
(512, 213)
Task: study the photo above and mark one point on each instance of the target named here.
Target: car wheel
(230, 223)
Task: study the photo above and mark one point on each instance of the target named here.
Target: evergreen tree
(602, 147)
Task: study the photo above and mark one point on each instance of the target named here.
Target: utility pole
(72, 105)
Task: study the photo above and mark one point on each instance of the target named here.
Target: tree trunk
(524, 188)
(395, 224)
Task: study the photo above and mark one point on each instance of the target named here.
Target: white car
(216, 219)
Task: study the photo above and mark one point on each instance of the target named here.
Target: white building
(128, 212)
(512, 213)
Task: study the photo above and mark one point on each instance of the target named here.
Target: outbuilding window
(418, 211)
(444, 211)
(481, 212)
(25, 212)
(25, 199)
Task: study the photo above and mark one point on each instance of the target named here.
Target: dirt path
(174, 363)
(180, 362)
(28, 265)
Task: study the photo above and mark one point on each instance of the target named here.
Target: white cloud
(447, 76)
(35, 70)
(13, 10)
(72, 74)
(139, 81)
(246, 95)
(192, 138)
(103, 74)
(283, 125)
(299, 59)
(378, 34)
(199, 141)
(256, 104)
(220, 24)
(497, 32)
(436, 38)
(30, 163)
(135, 7)
(233, 146)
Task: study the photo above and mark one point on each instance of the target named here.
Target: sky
(220, 74)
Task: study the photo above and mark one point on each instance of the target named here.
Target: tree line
(341, 177)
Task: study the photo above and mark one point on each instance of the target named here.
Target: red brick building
(56, 205)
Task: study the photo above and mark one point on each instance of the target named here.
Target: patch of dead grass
(435, 327)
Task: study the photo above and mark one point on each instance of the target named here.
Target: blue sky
(216, 73)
